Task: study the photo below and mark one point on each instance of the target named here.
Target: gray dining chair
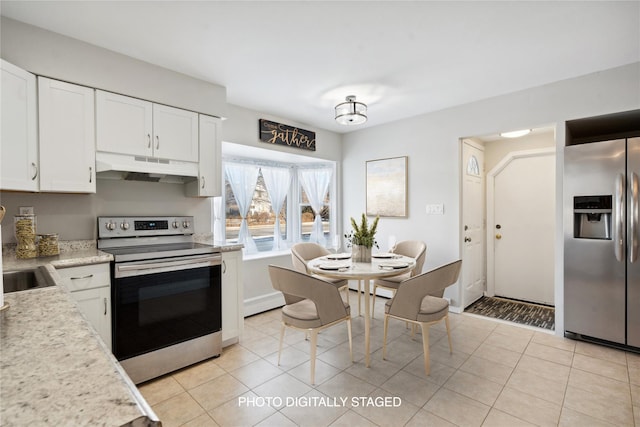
(311, 304)
(418, 300)
(410, 248)
(302, 253)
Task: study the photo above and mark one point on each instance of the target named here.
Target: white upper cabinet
(19, 131)
(67, 137)
(175, 133)
(132, 126)
(208, 182)
(124, 124)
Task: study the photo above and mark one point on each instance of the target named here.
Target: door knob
(467, 239)
(498, 236)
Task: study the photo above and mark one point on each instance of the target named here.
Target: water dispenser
(592, 217)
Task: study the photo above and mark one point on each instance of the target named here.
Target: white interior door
(473, 223)
(523, 226)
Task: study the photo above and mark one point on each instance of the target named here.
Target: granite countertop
(72, 254)
(54, 369)
(230, 247)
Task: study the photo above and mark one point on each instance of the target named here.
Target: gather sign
(277, 133)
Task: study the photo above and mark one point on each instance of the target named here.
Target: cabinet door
(232, 298)
(175, 133)
(67, 137)
(123, 124)
(19, 140)
(95, 305)
(209, 165)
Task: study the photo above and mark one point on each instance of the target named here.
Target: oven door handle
(131, 269)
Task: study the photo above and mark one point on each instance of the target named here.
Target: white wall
(495, 151)
(432, 143)
(53, 55)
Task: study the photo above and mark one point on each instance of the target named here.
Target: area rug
(524, 313)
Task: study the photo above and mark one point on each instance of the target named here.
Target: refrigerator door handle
(633, 217)
(618, 221)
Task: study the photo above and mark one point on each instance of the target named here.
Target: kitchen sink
(22, 280)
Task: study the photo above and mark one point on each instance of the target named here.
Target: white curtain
(218, 226)
(315, 183)
(277, 181)
(243, 179)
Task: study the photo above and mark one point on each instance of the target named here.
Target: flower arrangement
(363, 235)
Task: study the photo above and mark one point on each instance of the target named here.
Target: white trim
(263, 303)
(456, 309)
(490, 183)
(473, 144)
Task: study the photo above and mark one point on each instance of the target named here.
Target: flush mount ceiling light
(351, 112)
(515, 133)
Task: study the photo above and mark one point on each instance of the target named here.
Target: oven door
(161, 302)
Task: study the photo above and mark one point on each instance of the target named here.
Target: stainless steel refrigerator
(601, 241)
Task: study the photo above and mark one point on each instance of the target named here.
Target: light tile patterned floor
(498, 375)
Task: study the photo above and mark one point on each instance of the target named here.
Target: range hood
(141, 168)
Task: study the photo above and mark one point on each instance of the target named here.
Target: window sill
(264, 255)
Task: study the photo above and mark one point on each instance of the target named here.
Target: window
(261, 218)
(300, 192)
(473, 168)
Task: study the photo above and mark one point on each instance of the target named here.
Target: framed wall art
(387, 187)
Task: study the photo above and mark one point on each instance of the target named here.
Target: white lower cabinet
(90, 287)
(232, 298)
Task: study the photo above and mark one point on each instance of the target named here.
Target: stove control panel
(109, 227)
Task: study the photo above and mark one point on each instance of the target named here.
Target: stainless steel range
(165, 294)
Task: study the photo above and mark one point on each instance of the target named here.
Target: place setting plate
(341, 256)
(393, 265)
(384, 255)
(333, 266)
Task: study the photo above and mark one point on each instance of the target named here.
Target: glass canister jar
(48, 244)
(25, 230)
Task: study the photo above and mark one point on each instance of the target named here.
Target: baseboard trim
(262, 303)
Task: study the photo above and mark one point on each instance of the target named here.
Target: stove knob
(124, 226)
(186, 224)
(110, 225)
(175, 224)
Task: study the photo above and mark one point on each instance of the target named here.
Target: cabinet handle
(148, 140)
(35, 168)
(82, 278)
(157, 142)
(105, 306)
(90, 174)
(224, 267)
(203, 181)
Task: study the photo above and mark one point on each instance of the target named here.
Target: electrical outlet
(25, 210)
(437, 209)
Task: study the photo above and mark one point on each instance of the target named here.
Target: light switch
(437, 209)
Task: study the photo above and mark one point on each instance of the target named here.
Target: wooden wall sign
(277, 133)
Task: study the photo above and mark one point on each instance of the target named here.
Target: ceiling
(298, 59)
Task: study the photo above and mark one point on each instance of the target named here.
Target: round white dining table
(365, 271)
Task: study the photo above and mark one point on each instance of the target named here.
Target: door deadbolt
(498, 226)
(467, 239)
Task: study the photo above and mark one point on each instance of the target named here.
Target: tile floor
(498, 375)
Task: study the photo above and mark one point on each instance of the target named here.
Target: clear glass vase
(360, 253)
